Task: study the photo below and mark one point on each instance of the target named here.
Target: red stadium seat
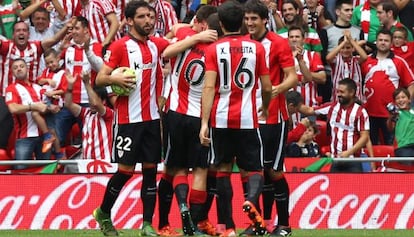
(383, 150)
(4, 156)
(388, 151)
(11, 143)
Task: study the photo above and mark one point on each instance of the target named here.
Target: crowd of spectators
(367, 41)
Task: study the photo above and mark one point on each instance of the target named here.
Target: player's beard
(142, 31)
(344, 100)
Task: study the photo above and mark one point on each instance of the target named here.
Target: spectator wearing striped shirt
(349, 124)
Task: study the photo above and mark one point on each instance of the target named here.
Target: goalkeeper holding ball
(137, 136)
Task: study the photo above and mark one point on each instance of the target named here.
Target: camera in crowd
(392, 108)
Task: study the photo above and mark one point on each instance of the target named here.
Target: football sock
(148, 192)
(225, 195)
(181, 187)
(113, 188)
(254, 187)
(165, 195)
(281, 191)
(211, 192)
(267, 198)
(197, 201)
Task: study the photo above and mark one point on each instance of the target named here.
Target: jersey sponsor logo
(141, 66)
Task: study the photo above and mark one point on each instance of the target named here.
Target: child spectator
(401, 120)
(345, 65)
(297, 126)
(306, 146)
(52, 80)
(97, 119)
(401, 47)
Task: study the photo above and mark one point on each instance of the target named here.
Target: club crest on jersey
(107, 55)
(120, 153)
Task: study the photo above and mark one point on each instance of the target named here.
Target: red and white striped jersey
(239, 62)
(141, 104)
(24, 94)
(309, 90)
(71, 7)
(166, 16)
(346, 69)
(278, 56)
(187, 77)
(346, 124)
(382, 77)
(97, 134)
(76, 62)
(8, 52)
(95, 12)
(60, 80)
(120, 8)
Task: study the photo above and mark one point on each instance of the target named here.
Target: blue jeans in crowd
(407, 151)
(64, 120)
(25, 148)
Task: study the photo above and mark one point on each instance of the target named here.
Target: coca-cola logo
(321, 202)
(316, 201)
(68, 205)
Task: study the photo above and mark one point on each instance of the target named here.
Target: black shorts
(244, 144)
(274, 137)
(184, 149)
(137, 143)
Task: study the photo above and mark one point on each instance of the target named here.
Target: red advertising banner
(371, 200)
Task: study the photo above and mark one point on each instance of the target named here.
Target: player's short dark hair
(231, 14)
(204, 12)
(314, 126)
(402, 30)
(213, 23)
(20, 21)
(338, 3)
(399, 90)
(17, 60)
(257, 7)
(84, 22)
(132, 6)
(384, 32)
(101, 92)
(294, 98)
(293, 2)
(50, 51)
(349, 83)
(390, 6)
(42, 10)
(295, 27)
